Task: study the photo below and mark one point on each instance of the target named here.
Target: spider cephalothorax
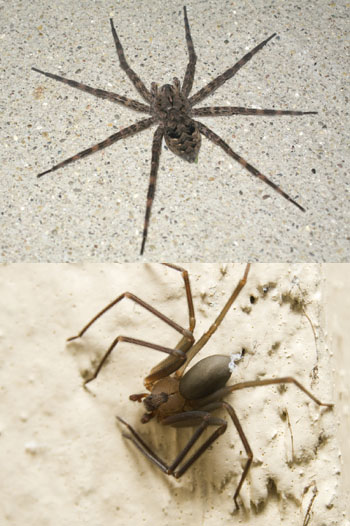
(172, 109)
(168, 98)
(175, 394)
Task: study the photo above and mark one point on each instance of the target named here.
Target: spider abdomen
(182, 136)
(205, 377)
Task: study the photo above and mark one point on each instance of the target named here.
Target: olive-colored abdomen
(205, 377)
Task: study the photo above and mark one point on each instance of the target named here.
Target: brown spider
(172, 110)
(188, 400)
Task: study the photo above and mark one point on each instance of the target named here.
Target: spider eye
(153, 401)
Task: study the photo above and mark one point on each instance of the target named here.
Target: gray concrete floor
(93, 210)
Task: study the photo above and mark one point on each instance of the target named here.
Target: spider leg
(135, 79)
(184, 344)
(139, 301)
(178, 356)
(130, 103)
(156, 149)
(274, 381)
(185, 276)
(208, 334)
(137, 440)
(246, 446)
(171, 363)
(221, 111)
(237, 424)
(221, 79)
(126, 132)
(190, 70)
(189, 418)
(217, 140)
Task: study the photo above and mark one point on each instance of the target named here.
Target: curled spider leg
(122, 134)
(221, 111)
(114, 97)
(217, 140)
(229, 73)
(190, 70)
(156, 149)
(178, 356)
(135, 79)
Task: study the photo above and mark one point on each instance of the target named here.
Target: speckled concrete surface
(211, 211)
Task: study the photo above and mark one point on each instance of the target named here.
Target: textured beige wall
(62, 455)
(337, 309)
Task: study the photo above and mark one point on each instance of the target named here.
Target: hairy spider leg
(114, 97)
(228, 74)
(207, 132)
(222, 111)
(190, 70)
(156, 149)
(122, 134)
(135, 79)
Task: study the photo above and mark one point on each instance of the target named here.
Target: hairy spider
(173, 110)
(188, 399)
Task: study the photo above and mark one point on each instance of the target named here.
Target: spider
(187, 399)
(172, 109)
